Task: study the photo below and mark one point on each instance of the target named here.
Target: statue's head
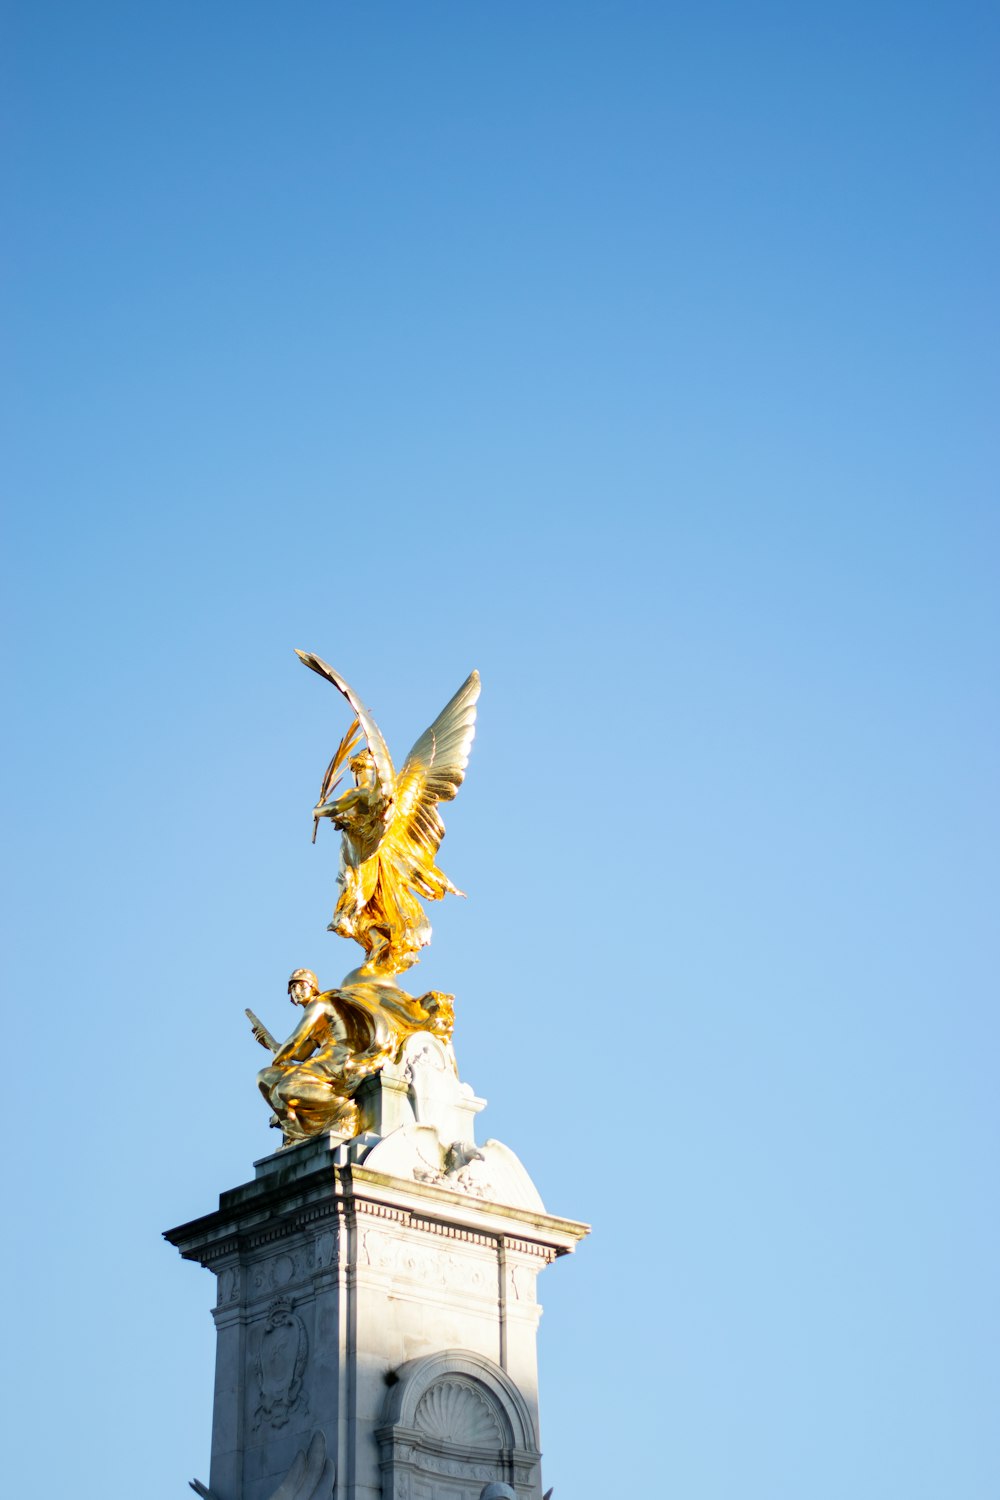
(363, 766)
(302, 986)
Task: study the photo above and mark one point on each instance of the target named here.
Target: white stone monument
(376, 1309)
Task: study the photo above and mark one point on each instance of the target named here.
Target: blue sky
(644, 358)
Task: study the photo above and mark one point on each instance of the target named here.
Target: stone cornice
(264, 1211)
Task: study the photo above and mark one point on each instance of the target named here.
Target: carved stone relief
(280, 1365)
(454, 1411)
(229, 1285)
(431, 1267)
(312, 1475)
(278, 1272)
(282, 1270)
(521, 1283)
(427, 1153)
(434, 1087)
(455, 1468)
(326, 1244)
(454, 1424)
(460, 1170)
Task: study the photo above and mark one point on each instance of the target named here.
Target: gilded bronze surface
(343, 1037)
(391, 831)
(391, 828)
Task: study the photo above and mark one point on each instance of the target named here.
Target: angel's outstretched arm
(376, 744)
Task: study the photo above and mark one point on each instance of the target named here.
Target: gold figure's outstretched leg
(348, 905)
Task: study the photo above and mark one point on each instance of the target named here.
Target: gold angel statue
(391, 828)
(390, 834)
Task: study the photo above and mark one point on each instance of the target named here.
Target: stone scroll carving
(280, 1365)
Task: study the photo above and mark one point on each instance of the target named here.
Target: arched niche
(452, 1423)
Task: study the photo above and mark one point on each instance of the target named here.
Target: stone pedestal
(376, 1308)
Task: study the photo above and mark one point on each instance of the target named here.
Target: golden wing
(433, 773)
(376, 744)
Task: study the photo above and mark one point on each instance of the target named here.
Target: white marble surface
(382, 1293)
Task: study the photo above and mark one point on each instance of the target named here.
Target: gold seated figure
(345, 1035)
